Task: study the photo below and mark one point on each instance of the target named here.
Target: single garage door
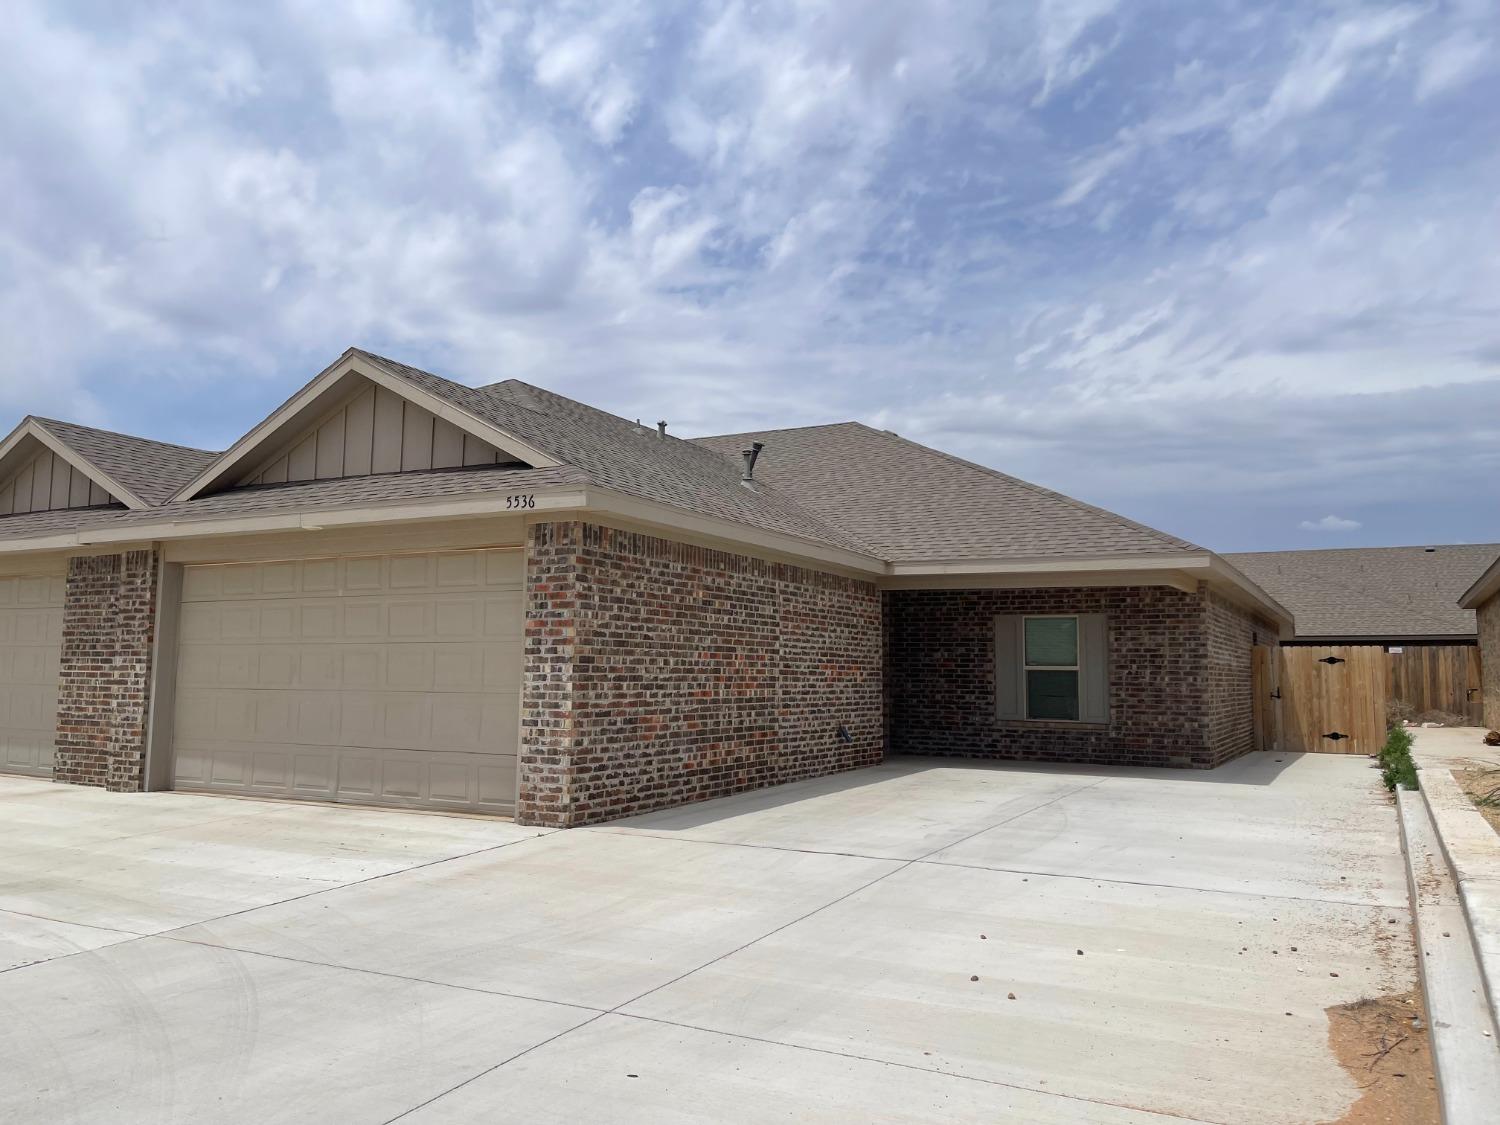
(30, 651)
(391, 680)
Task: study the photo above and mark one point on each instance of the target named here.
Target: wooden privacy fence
(1331, 699)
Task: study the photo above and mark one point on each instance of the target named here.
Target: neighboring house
(1373, 595)
(1483, 600)
(400, 590)
(1392, 612)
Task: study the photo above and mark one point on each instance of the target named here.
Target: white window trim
(1076, 667)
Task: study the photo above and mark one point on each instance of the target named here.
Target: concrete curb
(1465, 1050)
(1472, 851)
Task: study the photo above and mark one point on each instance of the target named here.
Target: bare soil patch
(1483, 788)
(1388, 1057)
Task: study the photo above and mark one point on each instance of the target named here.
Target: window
(1051, 661)
(1052, 668)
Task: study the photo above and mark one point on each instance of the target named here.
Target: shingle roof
(299, 496)
(153, 470)
(36, 525)
(615, 453)
(1372, 592)
(911, 502)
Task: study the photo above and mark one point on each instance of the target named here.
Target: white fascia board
(262, 435)
(32, 428)
(319, 519)
(670, 518)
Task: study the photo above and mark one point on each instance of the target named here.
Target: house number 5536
(527, 501)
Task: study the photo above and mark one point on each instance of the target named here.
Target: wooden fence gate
(1331, 699)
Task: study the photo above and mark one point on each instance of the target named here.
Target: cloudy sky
(1232, 268)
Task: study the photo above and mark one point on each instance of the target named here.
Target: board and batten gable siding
(373, 431)
(49, 483)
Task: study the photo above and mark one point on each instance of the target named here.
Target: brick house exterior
(1179, 676)
(109, 620)
(659, 673)
(400, 590)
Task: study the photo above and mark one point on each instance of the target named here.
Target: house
(401, 590)
(1482, 598)
(1391, 616)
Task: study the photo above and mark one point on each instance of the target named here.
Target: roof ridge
(121, 434)
(782, 430)
(836, 531)
(772, 505)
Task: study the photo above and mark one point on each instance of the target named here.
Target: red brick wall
(1176, 679)
(1232, 633)
(659, 673)
(109, 615)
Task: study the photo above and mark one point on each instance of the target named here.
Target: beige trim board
(332, 381)
(993, 581)
(1206, 567)
(1050, 565)
(30, 427)
(398, 512)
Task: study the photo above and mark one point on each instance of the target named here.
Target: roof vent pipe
(661, 428)
(750, 455)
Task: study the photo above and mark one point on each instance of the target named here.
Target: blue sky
(1230, 268)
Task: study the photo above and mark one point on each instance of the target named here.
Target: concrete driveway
(922, 941)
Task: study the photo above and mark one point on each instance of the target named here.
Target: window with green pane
(1051, 645)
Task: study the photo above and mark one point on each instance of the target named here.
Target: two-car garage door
(388, 680)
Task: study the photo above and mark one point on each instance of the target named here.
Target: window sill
(1057, 724)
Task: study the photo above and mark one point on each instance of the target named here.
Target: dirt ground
(1478, 783)
(1388, 1058)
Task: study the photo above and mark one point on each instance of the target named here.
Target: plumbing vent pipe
(750, 455)
(661, 428)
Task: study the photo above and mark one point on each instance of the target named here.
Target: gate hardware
(1276, 694)
(1336, 735)
(1331, 660)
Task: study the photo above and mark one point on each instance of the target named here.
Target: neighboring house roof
(1373, 593)
(152, 470)
(912, 502)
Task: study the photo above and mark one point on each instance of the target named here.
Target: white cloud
(1125, 249)
(1452, 62)
(1331, 523)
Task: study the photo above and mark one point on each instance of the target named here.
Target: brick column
(109, 622)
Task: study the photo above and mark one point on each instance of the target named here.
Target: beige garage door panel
(30, 652)
(391, 680)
